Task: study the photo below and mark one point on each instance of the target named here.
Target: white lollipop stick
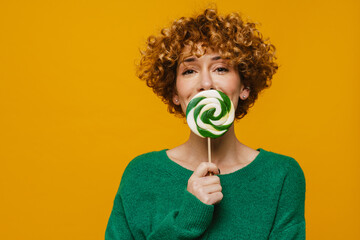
(209, 152)
(209, 149)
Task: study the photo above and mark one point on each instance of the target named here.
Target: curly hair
(229, 35)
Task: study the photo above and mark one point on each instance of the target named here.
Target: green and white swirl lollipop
(210, 114)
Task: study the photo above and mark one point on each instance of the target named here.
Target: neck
(223, 149)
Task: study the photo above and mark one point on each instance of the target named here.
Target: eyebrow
(192, 59)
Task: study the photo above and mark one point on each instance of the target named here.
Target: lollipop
(210, 114)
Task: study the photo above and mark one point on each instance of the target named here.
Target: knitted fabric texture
(263, 200)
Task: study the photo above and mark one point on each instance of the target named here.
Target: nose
(206, 81)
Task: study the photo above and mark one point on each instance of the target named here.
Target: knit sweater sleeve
(289, 222)
(141, 193)
(117, 227)
(189, 221)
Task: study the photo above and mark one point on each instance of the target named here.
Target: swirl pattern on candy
(210, 114)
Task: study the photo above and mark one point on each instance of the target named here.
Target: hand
(206, 188)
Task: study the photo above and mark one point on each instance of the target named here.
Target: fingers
(205, 167)
(209, 180)
(212, 198)
(204, 185)
(211, 188)
(206, 188)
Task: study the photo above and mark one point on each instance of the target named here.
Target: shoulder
(283, 164)
(135, 181)
(144, 162)
(146, 168)
(280, 160)
(146, 158)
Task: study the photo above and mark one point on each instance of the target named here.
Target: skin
(228, 153)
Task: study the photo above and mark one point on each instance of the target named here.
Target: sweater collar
(248, 172)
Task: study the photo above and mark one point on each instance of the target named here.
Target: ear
(175, 99)
(244, 93)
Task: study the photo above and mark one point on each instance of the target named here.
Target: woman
(169, 194)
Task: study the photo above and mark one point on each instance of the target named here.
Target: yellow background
(73, 113)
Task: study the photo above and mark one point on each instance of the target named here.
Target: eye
(187, 72)
(222, 70)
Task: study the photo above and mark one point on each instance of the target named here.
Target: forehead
(197, 50)
(192, 53)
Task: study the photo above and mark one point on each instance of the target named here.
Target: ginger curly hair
(229, 35)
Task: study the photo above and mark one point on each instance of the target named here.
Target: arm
(188, 222)
(117, 227)
(289, 222)
(196, 211)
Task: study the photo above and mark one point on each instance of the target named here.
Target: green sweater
(263, 200)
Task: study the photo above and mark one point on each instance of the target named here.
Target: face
(209, 71)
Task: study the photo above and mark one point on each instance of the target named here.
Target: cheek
(232, 88)
(236, 102)
(183, 89)
(233, 85)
